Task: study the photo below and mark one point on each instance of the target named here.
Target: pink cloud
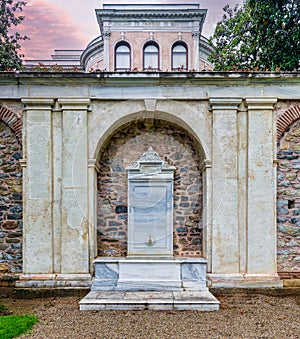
(49, 27)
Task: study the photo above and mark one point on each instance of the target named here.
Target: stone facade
(10, 202)
(123, 149)
(79, 130)
(288, 196)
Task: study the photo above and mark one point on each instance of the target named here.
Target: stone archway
(179, 149)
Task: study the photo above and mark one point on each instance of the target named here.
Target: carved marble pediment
(150, 163)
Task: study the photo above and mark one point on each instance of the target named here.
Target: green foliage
(10, 59)
(261, 35)
(12, 326)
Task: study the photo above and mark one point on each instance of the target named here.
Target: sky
(72, 24)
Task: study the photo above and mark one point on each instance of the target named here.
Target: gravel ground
(240, 316)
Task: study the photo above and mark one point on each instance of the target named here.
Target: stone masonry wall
(174, 146)
(288, 200)
(10, 202)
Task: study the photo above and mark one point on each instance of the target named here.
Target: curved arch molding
(12, 120)
(286, 119)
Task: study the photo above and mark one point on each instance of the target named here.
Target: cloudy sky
(71, 24)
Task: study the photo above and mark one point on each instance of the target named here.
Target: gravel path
(240, 316)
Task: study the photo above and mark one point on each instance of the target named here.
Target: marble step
(149, 300)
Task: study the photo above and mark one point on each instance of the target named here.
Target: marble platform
(149, 274)
(151, 300)
(140, 283)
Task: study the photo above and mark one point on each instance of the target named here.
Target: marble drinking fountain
(150, 277)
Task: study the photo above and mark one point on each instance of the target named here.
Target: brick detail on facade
(174, 146)
(286, 119)
(10, 201)
(12, 120)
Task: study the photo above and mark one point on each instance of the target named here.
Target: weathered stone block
(4, 267)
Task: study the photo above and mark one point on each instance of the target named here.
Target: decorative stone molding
(12, 120)
(106, 35)
(204, 165)
(74, 104)
(286, 119)
(92, 163)
(258, 103)
(37, 104)
(222, 104)
(154, 14)
(196, 34)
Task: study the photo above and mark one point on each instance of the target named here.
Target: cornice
(74, 103)
(172, 14)
(259, 103)
(225, 104)
(37, 103)
(147, 78)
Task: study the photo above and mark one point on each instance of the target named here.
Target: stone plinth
(149, 274)
(175, 300)
(149, 284)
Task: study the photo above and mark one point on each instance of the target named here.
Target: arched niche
(178, 148)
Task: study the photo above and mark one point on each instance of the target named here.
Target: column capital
(37, 103)
(74, 103)
(229, 104)
(107, 34)
(260, 103)
(196, 34)
(205, 164)
(93, 163)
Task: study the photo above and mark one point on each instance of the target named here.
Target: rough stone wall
(10, 202)
(124, 147)
(288, 200)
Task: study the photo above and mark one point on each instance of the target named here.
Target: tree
(260, 35)
(10, 58)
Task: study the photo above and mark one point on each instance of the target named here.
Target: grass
(12, 326)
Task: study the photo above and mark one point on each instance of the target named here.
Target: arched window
(179, 56)
(151, 56)
(122, 57)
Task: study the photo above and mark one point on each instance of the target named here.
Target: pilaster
(75, 223)
(206, 170)
(106, 48)
(93, 169)
(57, 185)
(261, 226)
(37, 186)
(225, 231)
(196, 36)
